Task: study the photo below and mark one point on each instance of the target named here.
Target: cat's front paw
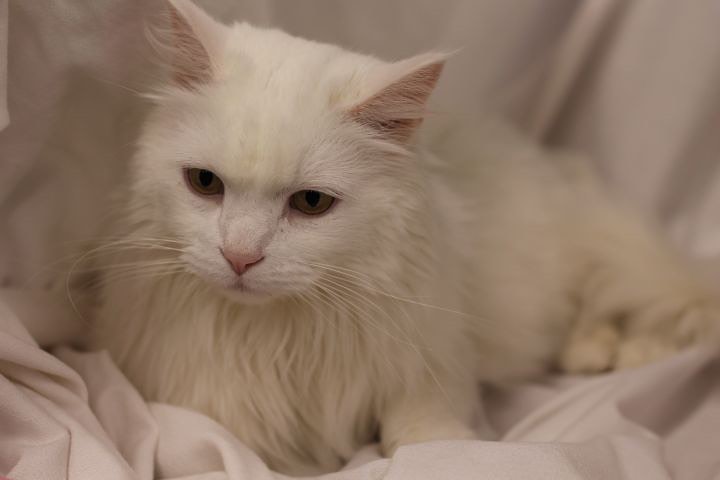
(647, 335)
(424, 432)
(591, 351)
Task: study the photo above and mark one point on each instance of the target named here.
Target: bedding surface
(634, 85)
(72, 415)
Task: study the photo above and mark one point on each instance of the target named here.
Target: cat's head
(277, 161)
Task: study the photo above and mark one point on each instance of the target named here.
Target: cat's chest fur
(300, 382)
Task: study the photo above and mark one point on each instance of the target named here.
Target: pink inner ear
(191, 61)
(398, 109)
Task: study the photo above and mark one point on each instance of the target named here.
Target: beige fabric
(633, 84)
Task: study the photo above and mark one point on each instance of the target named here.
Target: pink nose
(241, 261)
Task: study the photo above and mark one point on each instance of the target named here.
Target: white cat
(313, 276)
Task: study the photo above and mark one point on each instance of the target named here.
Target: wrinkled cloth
(72, 415)
(634, 85)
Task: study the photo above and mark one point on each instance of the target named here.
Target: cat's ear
(398, 105)
(192, 43)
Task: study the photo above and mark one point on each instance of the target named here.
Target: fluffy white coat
(460, 256)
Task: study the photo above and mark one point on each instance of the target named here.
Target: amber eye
(204, 182)
(311, 202)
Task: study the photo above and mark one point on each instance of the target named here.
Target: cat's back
(510, 218)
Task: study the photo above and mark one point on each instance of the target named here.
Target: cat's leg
(638, 301)
(428, 413)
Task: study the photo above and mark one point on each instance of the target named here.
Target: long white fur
(439, 266)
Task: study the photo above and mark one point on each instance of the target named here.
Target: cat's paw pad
(591, 352)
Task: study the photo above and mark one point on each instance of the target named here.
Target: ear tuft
(398, 109)
(191, 42)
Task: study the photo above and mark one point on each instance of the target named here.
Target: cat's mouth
(239, 285)
(244, 288)
(243, 292)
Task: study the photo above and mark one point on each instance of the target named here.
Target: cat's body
(438, 266)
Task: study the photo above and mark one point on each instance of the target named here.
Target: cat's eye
(204, 182)
(311, 202)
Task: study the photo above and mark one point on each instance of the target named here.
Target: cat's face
(279, 161)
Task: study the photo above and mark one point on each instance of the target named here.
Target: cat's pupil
(312, 198)
(205, 177)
